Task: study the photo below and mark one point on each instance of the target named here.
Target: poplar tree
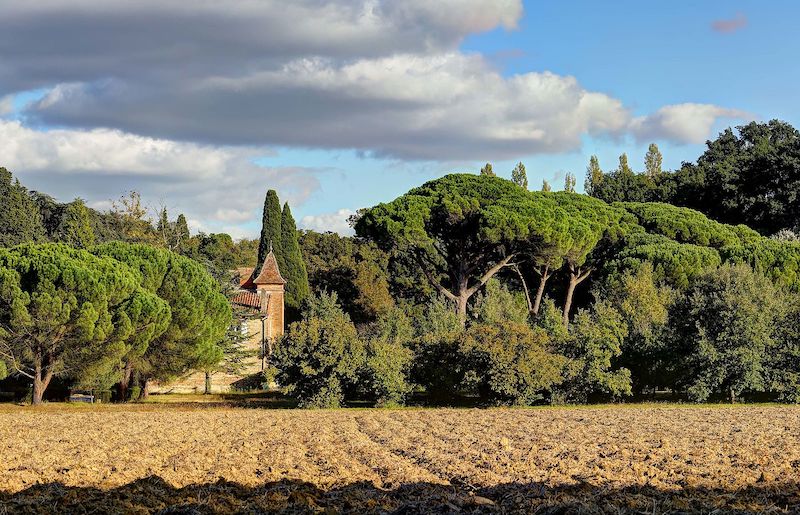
(624, 168)
(270, 230)
(294, 268)
(652, 161)
(569, 182)
(519, 176)
(594, 175)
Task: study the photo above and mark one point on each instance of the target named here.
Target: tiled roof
(269, 273)
(250, 299)
(244, 274)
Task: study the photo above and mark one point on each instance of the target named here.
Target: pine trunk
(207, 389)
(125, 382)
(573, 282)
(537, 302)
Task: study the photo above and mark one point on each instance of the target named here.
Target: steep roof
(269, 273)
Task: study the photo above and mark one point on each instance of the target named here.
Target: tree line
(472, 286)
(484, 293)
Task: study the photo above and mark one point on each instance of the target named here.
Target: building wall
(221, 382)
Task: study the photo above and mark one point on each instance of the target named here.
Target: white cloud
(682, 123)
(215, 186)
(6, 105)
(333, 222)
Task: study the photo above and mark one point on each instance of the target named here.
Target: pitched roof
(249, 299)
(244, 274)
(269, 273)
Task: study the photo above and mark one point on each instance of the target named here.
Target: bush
(594, 341)
(320, 358)
(388, 359)
(728, 322)
(437, 367)
(496, 304)
(511, 363)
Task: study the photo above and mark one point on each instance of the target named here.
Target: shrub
(320, 358)
(496, 304)
(594, 341)
(388, 359)
(511, 363)
(728, 321)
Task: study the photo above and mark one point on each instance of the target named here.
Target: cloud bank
(179, 101)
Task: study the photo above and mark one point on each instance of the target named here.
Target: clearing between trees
(653, 458)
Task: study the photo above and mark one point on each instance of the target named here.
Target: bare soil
(208, 459)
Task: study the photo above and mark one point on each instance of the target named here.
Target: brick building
(259, 305)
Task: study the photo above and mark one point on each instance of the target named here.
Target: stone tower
(270, 289)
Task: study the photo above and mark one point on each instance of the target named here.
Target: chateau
(258, 305)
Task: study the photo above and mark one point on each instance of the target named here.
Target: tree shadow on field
(154, 495)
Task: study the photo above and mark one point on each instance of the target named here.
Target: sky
(204, 106)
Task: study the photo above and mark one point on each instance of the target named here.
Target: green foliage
(461, 229)
(355, 270)
(652, 161)
(519, 176)
(293, 269)
(200, 312)
(497, 305)
(389, 359)
(745, 176)
(487, 170)
(674, 263)
(545, 186)
(594, 341)
(594, 175)
(644, 306)
(65, 312)
(270, 231)
(510, 362)
(569, 182)
(728, 320)
(20, 219)
(321, 357)
(75, 227)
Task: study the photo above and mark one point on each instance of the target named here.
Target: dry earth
(189, 459)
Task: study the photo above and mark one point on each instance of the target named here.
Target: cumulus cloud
(382, 77)
(440, 107)
(730, 25)
(682, 123)
(215, 186)
(334, 222)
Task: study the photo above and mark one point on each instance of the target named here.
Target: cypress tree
(181, 233)
(20, 218)
(294, 268)
(270, 231)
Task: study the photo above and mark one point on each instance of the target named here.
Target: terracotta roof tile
(269, 273)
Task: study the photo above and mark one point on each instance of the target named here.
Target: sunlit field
(218, 458)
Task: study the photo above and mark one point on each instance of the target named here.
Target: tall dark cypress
(293, 267)
(20, 218)
(270, 230)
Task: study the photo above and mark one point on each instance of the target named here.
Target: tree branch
(488, 275)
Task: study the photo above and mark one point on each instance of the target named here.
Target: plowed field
(184, 459)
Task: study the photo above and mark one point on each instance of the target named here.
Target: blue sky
(355, 108)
